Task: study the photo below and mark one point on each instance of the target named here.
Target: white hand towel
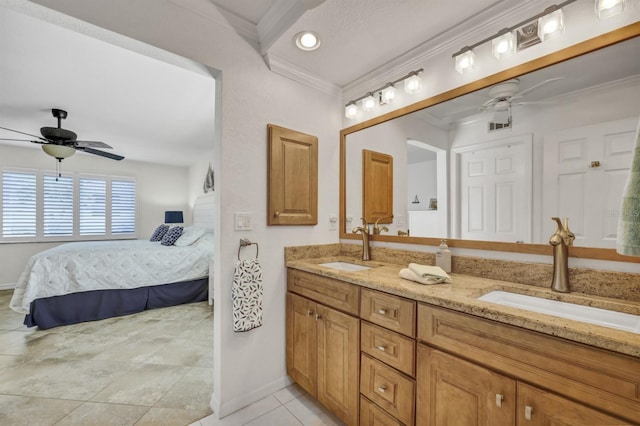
(431, 272)
(246, 294)
(408, 274)
(628, 241)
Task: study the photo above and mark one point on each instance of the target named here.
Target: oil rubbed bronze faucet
(364, 230)
(377, 229)
(561, 241)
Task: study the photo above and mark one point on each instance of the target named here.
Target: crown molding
(481, 25)
(278, 19)
(289, 70)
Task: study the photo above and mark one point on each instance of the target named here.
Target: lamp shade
(173, 217)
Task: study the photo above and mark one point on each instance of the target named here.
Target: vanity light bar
(384, 94)
(500, 48)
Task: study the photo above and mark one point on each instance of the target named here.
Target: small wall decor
(416, 200)
(208, 180)
(433, 204)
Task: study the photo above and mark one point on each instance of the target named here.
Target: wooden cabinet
(377, 187)
(293, 177)
(456, 392)
(322, 353)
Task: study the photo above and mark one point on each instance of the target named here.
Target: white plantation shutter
(18, 204)
(93, 206)
(57, 209)
(123, 206)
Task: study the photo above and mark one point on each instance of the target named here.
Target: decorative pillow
(171, 236)
(159, 233)
(190, 235)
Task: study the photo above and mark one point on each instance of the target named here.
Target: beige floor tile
(17, 342)
(144, 384)
(183, 352)
(249, 413)
(10, 320)
(191, 392)
(289, 393)
(71, 346)
(78, 380)
(99, 414)
(202, 330)
(11, 361)
(310, 413)
(278, 417)
(22, 410)
(134, 350)
(171, 416)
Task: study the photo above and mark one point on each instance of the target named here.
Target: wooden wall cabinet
(292, 177)
(377, 187)
(322, 353)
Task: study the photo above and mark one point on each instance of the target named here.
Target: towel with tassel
(408, 274)
(246, 294)
(628, 241)
(432, 273)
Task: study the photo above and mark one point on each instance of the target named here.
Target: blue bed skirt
(96, 305)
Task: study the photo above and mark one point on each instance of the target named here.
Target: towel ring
(244, 243)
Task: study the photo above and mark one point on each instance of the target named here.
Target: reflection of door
(589, 195)
(495, 191)
(377, 186)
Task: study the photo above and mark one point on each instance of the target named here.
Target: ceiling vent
(494, 127)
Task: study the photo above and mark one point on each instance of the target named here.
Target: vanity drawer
(391, 348)
(372, 415)
(392, 312)
(388, 388)
(333, 293)
(606, 380)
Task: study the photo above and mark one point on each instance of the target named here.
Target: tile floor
(151, 368)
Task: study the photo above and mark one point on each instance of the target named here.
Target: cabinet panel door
(537, 407)
(302, 342)
(372, 415)
(456, 392)
(338, 350)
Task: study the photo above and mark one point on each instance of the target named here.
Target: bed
(94, 280)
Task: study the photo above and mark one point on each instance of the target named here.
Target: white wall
(422, 179)
(247, 366)
(159, 188)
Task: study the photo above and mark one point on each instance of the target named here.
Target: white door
(588, 193)
(495, 191)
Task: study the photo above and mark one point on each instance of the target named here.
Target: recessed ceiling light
(307, 40)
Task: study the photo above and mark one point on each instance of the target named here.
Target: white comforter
(98, 265)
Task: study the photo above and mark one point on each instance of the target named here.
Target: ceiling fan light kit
(536, 29)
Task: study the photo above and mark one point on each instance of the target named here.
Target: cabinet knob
(528, 412)
(499, 399)
(309, 312)
(382, 389)
(277, 213)
(318, 317)
(381, 348)
(382, 311)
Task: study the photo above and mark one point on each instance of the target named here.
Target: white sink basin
(344, 266)
(588, 314)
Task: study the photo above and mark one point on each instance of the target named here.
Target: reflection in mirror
(501, 161)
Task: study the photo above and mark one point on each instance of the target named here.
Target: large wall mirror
(488, 164)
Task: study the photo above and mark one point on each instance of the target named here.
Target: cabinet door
(456, 392)
(338, 350)
(301, 342)
(537, 407)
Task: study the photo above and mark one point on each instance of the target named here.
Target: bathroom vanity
(379, 350)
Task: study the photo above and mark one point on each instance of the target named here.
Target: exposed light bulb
(388, 93)
(550, 25)
(465, 61)
(503, 44)
(369, 103)
(608, 8)
(412, 84)
(351, 110)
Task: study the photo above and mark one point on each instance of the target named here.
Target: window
(41, 206)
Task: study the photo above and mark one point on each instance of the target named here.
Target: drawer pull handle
(382, 389)
(528, 412)
(499, 399)
(318, 317)
(382, 311)
(381, 348)
(309, 313)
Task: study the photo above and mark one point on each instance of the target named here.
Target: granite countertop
(461, 295)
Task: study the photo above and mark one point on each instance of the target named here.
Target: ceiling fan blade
(92, 144)
(22, 140)
(100, 153)
(535, 86)
(23, 133)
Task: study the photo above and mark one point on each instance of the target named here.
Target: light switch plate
(243, 221)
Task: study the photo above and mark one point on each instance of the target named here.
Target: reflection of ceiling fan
(503, 96)
(62, 143)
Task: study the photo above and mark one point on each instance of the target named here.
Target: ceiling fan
(62, 143)
(506, 95)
